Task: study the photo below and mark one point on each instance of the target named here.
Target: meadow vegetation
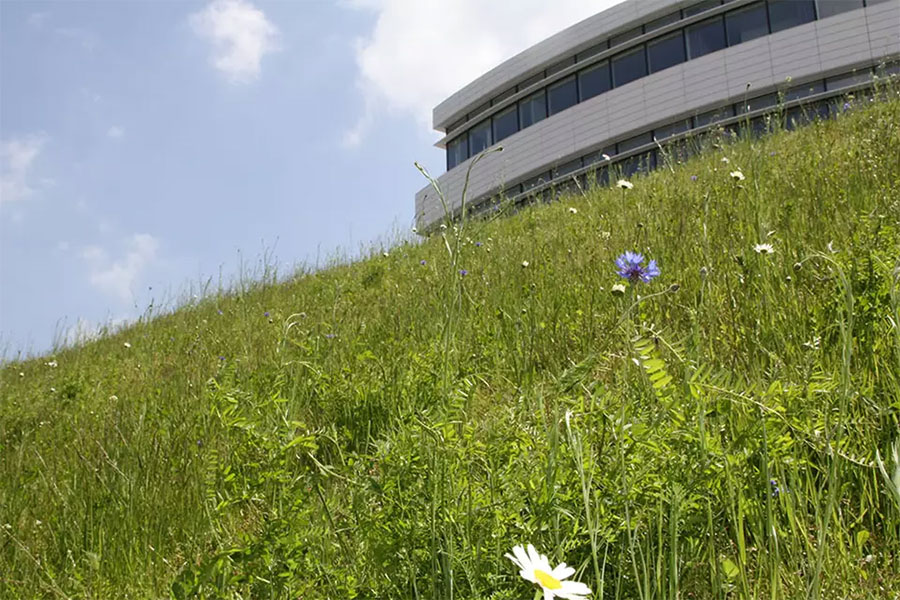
(392, 427)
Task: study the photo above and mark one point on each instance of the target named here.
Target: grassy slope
(392, 427)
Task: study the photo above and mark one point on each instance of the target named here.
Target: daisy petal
(562, 571)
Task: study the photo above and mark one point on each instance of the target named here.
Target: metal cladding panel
(593, 121)
(795, 52)
(843, 39)
(751, 63)
(705, 80)
(664, 94)
(535, 58)
(884, 28)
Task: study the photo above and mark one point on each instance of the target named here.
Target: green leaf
(730, 569)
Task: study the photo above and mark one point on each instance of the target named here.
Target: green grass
(392, 428)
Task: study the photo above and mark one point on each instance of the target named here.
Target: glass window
(629, 66)
(531, 81)
(562, 95)
(802, 91)
(532, 109)
(503, 96)
(642, 163)
(506, 123)
(599, 155)
(757, 103)
(592, 51)
(696, 9)
(626, 36)
(665, 52)
(457, 151)
(560, 66)
(662, 22)
(479, 109)
(566, 168)
(713, 116)
(479, 137)
(668, 131)
(828, 8)
(847, 79)
(705, 37)
(784, 14)
(747, 23)
(457, 124)
(593, 81)
(635, 142)
(535, 181)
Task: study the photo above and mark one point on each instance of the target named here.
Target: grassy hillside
(391, 428)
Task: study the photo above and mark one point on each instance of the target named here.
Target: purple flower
(463, 272)
(266, 314)
(693, 178)
(220, 312)
(478, 244)
(221, 358)
(631, 267)
(422, 262)
(846, 106)
(330, 336)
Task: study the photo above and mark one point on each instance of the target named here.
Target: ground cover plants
(723, 422)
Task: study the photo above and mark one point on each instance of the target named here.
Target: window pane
(747, 23)
(562, 95)
(634, 142)
(566, 168)
(662, 22)
(530, 81)
(457, 151)
(503, 96)
(828, 8)
(506, 123)
(593, 81)
(532, 109)
(713, 116)
(696, 9)
(784, 14)
(802, 91)
(600, 155)
(705, 37)
(839, 81)
(592, 51)
(665, 52)
(757, 103)
(669, 130)
(626, 36)
(629, 66)
(479, 137)
(560, 66)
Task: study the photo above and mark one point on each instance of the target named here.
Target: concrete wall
(823, 48)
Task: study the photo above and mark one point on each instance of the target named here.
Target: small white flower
(536, 568)
(737, 175)
(113, 398)
(573, 210)
(443, 227)
(385, 254)
(415, 230)
(618, 289)
(830, 247)
(624, 184)
(21, 374)
(52, 364)
(524, 263)
(764, 249)
(725, 160)
(604, 156)
(127, 345)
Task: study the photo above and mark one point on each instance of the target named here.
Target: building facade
(607, 91)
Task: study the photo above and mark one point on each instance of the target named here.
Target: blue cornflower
(266, 314)
(422, 262)
(463, 272)
(478, 244)
(631, 267)
(693, 178)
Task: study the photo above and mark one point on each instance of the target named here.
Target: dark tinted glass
(598, 156)
(560, 66)
(828, 8)
(670, 130)
(593, 50)
(802, 91)
(665, 52)
(662, 22)
(562, 95)
(566, 168)
(634, 142)
(698, 8)
(705, 37)
(535, 181)
(593, 81)
(457, 151)
(747, 23)
(784, 14)
(629, 66)
(479, 137)
(757, 103)
(626, 36)
(839, 81)
(713, 116)
(532, 109)
(503, 96)
(506, 123)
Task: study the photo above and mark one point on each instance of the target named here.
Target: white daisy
(127, 345)
(573, 210)
(737, 175)
(764, 249)
(535, 568)
(624, 184)
(725, 160)
(524, 263)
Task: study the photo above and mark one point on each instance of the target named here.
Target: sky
(148, 147)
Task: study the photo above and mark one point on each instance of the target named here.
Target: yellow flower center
(547, 580)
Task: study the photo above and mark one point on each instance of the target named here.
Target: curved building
(606, 90)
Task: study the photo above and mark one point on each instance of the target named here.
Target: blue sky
(147, 146)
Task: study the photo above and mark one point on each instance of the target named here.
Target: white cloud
(115, 132)
(16, 158)
(118, 277)
(240, 34)
(420, 52)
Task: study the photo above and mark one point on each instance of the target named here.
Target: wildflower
(52, 364)
(478, 244)
(536, 568)
(846, 106)
(631, 267)
(463, 272)
(772, 153)
(573, 210)
(604, 156)
(127, 345)
(423, 262)
(624, 184)
(330, 336)
(693, 178)
(618, 289)
(830, 246)
(266, 314)
(703, 272)
(221, 358)
(524, 264)
(443, 227)
(764, 249)
(385, 254)
(21, 374)
(725, 160)
(414, 230)
(737, 175)
(113, 398)
(220, 312)
(798, 266)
